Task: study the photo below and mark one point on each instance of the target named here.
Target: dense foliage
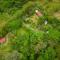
(29, 36)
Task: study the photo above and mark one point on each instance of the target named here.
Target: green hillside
(31, 29)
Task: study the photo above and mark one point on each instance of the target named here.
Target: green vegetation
(29, 36)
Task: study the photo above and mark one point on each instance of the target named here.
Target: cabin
(38, 13)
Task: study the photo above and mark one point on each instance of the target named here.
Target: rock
(45, 22)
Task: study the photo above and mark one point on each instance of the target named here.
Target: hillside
(30, 30)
